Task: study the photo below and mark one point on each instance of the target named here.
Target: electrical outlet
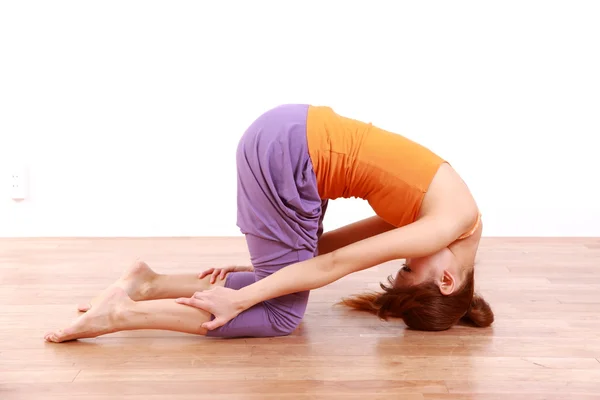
(18, 184)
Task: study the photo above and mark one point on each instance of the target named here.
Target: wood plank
(545, 343)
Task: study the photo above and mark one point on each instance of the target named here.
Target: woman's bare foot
(136, 281)
(104, 318)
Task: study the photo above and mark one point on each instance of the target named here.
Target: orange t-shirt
(356, 159)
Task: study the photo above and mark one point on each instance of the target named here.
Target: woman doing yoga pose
(291, 161)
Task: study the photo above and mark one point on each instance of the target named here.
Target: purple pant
(281, 214)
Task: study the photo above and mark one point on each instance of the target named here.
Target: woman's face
(440, 267)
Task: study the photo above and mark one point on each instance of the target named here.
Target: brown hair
(424, 307)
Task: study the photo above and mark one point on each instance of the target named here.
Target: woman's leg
(115, 311)
(280, 212)
(276, 317)
(138, 300)
(142, 299)
(140, 282)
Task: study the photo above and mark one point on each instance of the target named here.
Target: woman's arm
(423, 237)
(328, 242)
(352, 233)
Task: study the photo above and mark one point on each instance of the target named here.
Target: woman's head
(431, 293)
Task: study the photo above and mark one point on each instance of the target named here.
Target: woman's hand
(221, 302)
(221, 273)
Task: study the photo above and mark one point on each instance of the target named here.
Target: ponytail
(424, 307)
(479, 312)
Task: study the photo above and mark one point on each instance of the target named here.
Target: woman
(291, 161)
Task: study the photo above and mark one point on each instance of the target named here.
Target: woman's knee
(272, 318)
(288, 327)
(287, 312)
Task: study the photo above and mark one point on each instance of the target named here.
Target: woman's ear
(447, 283)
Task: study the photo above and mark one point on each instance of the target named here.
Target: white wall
(127, 113)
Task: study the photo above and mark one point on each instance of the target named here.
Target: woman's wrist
(243, 299)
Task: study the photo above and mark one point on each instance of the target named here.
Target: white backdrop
(127, 113)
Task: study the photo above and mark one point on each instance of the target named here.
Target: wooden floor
(545, 343)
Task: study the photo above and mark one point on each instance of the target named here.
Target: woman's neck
(465, 250)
